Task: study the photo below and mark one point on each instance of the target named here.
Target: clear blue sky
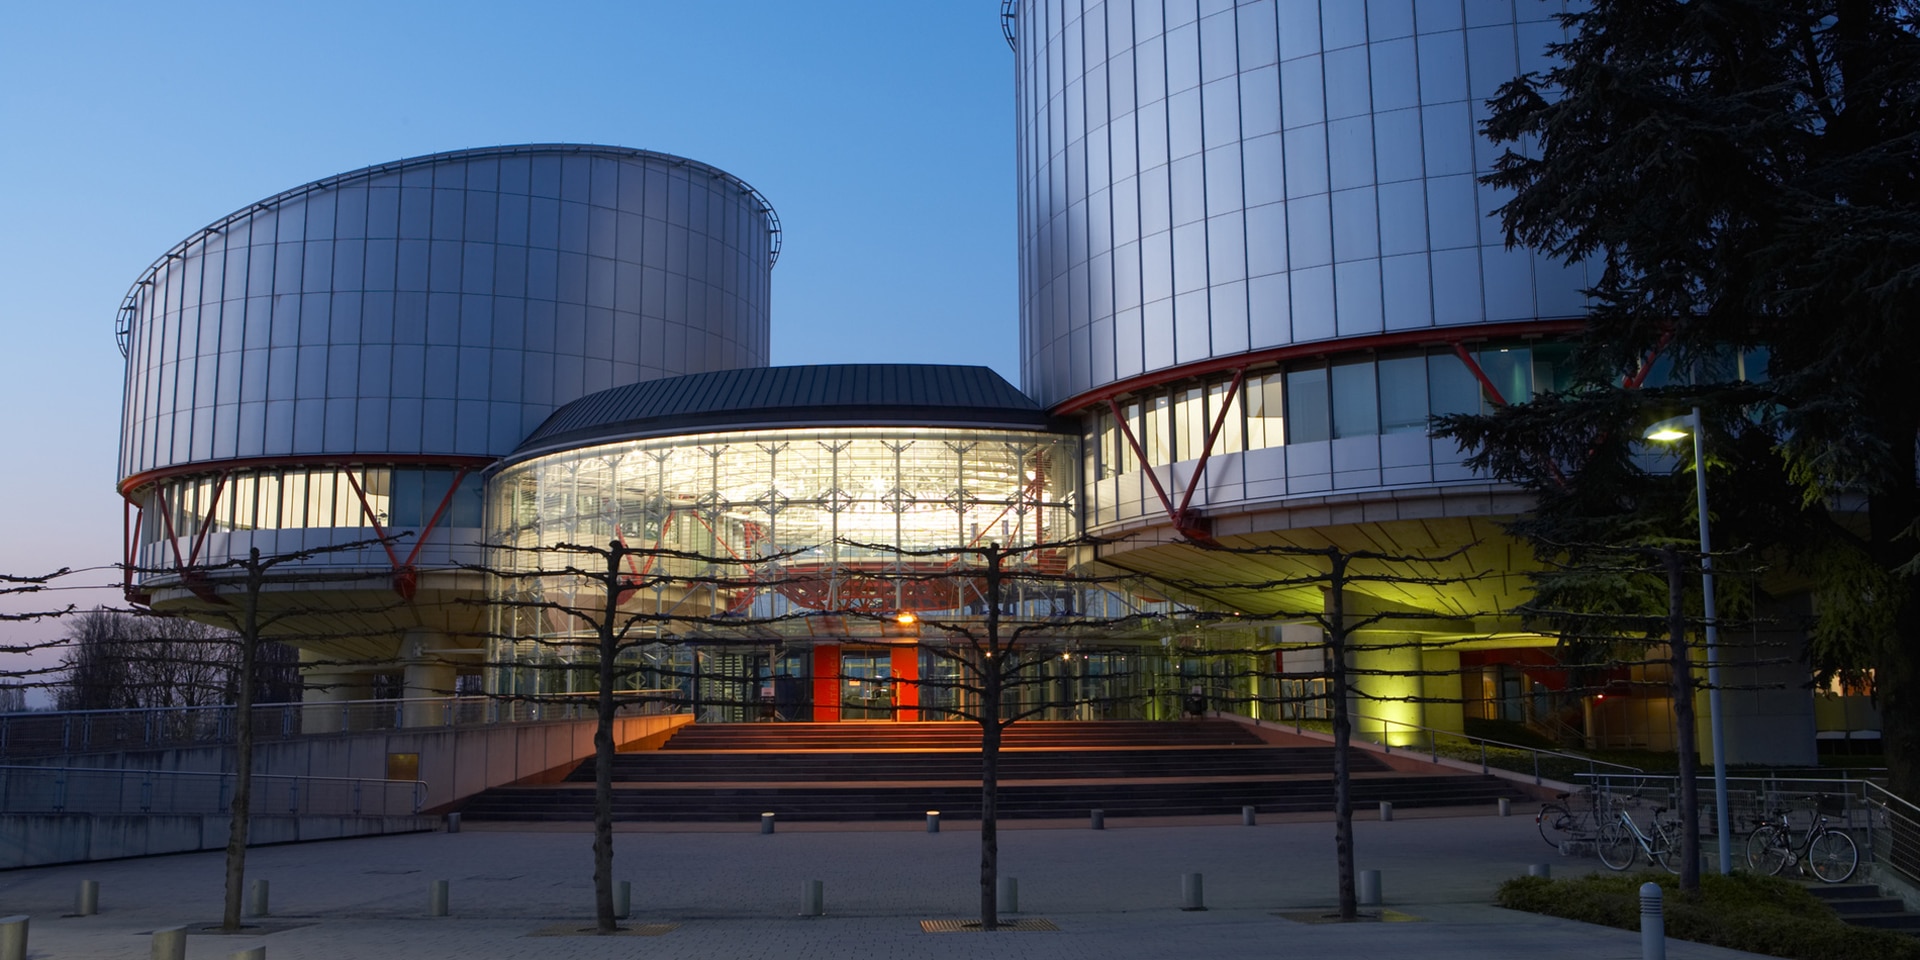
(881, 130)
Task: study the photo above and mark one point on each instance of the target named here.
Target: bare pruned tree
(235, 594)
(1012, 612)
(1329, 573)
(608, 603)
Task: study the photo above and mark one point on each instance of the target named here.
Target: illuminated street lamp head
(1671, 429)
(905, 618)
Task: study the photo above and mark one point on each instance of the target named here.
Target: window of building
(1266, 425)
(1356, 404)
(1403, 394)
(1307, 405)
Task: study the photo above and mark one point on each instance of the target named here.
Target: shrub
(1743, 912)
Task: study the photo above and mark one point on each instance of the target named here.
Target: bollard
(1542, 870)
(1247, 817)
(766, 823)
(1506, 807)
(1653, 924)
(257, 898)
(453, 823)
(1386, 810)
(257, 953)
(1192, 892)
(813, 898)
(13, 938)
(87, 902)
(623, 899)
(437, 898)
(1369, 893)
(1009, 898)
(170, 943)
(933, 821)
(1099, 820)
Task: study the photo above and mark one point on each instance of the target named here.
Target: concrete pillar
(427, 677)
(326, 689)
(1407, 686)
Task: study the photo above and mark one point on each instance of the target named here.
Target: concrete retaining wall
(33, 840)
(455, 762)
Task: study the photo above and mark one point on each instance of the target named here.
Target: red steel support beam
(1126, 430)
(366, 510)
(1183, 519)
(206, 525)
(1473, 367)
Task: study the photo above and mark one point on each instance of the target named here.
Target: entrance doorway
(866, 685)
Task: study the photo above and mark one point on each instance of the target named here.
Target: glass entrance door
(866, 687)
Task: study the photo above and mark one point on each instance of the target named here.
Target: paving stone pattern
(735, 893)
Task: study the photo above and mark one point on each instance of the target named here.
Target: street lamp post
(1668, 431)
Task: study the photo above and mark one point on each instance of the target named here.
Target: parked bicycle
(1622, 841)
(1574, 817)
(1825, 850)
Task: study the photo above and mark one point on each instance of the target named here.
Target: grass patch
(1743, 912)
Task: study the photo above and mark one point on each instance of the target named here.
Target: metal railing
(107, 790)
(1895, 845)
(69, 732)
(1851, 803)
(1491, 754)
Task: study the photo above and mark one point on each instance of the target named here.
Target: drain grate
(1328, 916)
(578, 929)
(1029, 925)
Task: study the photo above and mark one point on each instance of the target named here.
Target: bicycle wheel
(1767, 851)
(1833, 856)
(1616, 846)
(1664, 852)
(1555, 821)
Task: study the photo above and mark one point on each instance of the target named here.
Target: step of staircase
(1863, 905)
(842, 772)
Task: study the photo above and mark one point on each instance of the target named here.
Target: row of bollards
(1097, 819)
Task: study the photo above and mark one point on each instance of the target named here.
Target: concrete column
(426, 677)
(326, 688)
(426, 680)
(1399, 677)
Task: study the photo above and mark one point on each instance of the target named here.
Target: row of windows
(398, 499)
(1316, 401)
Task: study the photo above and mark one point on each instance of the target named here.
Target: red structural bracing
(1473, 367)
(406, 577)
(1260, 358)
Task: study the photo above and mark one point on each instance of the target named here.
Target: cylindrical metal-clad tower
(340, 361)
(1283, 190)
(1255, 258)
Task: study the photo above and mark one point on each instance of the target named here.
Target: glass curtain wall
(794, 521)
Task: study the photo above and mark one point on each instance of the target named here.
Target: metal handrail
(1433, 746)
(55, 733)
(59, 793)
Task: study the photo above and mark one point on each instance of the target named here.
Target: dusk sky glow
(882, 133)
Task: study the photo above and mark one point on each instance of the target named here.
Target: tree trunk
(1896, 661)
(990, 811)
(1685, 749)
(990, 691)
(1342, 735)
(238, 820)
(603, 751)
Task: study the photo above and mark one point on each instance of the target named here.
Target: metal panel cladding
(442, 305)
(1200, 178)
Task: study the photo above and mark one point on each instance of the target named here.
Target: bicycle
(1824, 849)
(1559, 823)
(1622, 841)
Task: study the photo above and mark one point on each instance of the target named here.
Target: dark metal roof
(840, 395)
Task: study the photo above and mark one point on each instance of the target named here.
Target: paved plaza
(730, 892)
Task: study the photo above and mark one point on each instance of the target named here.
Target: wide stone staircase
(899, 771)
